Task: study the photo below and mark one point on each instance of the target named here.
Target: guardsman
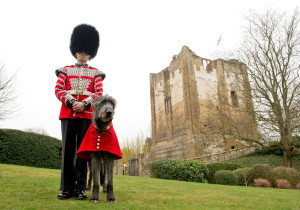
(77, 87)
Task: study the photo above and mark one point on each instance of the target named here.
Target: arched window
(234, 100)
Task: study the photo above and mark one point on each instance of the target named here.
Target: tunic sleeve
(60, 91)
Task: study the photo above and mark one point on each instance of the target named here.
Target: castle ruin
(189, 102)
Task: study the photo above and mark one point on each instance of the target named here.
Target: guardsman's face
(82, 57)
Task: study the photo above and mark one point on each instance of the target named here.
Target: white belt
(80, 92)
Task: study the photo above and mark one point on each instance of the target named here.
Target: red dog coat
(95, 142)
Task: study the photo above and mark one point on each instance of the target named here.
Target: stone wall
(188, 100)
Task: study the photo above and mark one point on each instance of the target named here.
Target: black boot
(80, 195)
(65, 195)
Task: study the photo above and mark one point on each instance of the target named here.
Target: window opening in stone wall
(232, 147)
(204, 64)
(166, 75)
(167, 105)
(234, 101)
(209, 67)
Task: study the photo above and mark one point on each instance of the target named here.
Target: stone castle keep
(187, 102)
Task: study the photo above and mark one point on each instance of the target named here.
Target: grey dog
(102, 163)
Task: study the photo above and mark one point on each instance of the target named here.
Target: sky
(136, 38)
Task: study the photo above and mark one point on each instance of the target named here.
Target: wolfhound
(101, 145)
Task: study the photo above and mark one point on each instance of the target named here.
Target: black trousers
(73, 131)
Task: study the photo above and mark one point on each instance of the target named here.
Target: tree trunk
(287, 159)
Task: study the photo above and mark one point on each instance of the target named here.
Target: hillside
(34, 188)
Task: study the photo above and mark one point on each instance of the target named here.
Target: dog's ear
(99, 99)
(105, 97)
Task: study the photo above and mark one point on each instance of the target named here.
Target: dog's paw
(111, 200)
(88, 188)
(104, 190)
(94, 200)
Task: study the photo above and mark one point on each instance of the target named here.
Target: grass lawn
(35, 188)
(272, 160)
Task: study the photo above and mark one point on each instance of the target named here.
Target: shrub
(159, 169)
(298, 186)
(290, 174)
(29, 149)
(214, 167)
(263, 151)
(261, 171)
(242, 176)
(261, 183)
(183, 170)
(272, 149)
(283, 184)
(226, 177)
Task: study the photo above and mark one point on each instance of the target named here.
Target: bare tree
(270, 50)
(7, 94)
(136, 146)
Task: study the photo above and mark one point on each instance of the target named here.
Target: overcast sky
(136, 38)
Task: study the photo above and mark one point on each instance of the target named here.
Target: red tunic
(95, 142)
(78, 83)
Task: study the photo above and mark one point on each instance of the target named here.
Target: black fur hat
(85, 38)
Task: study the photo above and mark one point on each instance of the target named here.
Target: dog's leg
(89, 186)
(109, 163)
(102, 177)
(95, 173)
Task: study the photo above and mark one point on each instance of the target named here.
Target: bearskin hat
(85, 38)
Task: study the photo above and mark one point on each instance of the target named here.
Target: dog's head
(104, 109)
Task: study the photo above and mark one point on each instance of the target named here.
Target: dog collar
(107, 128)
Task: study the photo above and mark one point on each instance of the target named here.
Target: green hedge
(290, 174)
(29, 149)
(226, 177)
(275, 149)
(182, 170)
(243, 176)
(261, 171)
(246, 176)
(214, 167)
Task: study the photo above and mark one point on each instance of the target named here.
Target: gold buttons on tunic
(97, 147)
